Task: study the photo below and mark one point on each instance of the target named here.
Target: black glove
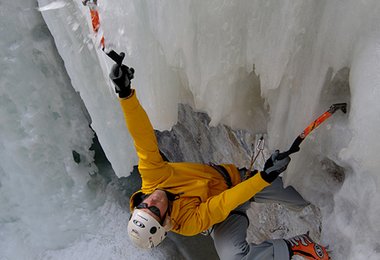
(121, 76)
(274, 167)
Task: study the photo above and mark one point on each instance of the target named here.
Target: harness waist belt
(223, 172)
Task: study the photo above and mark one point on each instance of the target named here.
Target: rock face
(192, 139)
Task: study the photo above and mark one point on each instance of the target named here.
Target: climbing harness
(223, 172)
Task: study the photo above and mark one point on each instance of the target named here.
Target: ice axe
(296, 144)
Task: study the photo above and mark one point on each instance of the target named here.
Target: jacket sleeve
(142, 132)
(217, 208)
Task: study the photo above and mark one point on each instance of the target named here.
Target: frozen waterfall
(261, 66)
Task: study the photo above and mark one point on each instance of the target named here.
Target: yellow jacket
(204, 198)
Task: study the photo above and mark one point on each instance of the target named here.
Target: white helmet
(144, 230)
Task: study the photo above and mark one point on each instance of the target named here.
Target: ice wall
(89, 76)
(42, 122)
(47, 210)
(300, 55)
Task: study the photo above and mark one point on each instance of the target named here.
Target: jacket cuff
(130, 102)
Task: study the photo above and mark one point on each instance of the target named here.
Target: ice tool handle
(296, 144)
(118, 58)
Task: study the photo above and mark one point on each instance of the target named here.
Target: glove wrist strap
(126, 93)
(268, 177)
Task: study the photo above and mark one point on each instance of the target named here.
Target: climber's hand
(121, 75)
(274, 166)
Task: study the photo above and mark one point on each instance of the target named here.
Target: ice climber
(190, 198)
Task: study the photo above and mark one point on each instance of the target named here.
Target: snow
(257, 65)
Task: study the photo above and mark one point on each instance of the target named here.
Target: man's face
(156, 205)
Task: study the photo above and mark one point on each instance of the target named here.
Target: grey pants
(230, 235)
